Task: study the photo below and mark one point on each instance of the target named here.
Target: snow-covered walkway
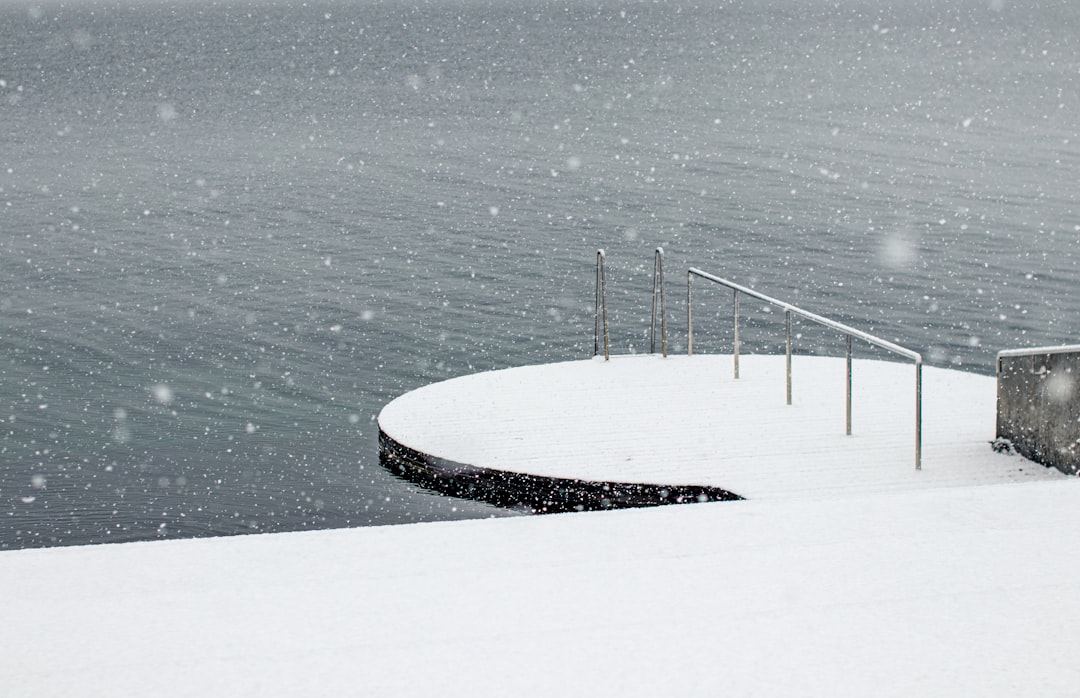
(944, 592)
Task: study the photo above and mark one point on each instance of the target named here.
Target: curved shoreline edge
(534, 493)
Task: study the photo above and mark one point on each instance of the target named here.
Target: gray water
(232, 231)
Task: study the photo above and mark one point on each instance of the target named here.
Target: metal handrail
(790, 310)
(601, 308)
(658, 287)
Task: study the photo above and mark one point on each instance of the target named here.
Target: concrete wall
(1038, 405)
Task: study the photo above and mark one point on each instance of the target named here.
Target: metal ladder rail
(600, 316)
(658, 289)
(601, 308)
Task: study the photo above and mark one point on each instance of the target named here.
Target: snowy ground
(894, 589)
(941, 592)
(687, 421)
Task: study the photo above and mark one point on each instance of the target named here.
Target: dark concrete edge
(534, 493)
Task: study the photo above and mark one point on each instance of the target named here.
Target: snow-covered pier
(684, 422)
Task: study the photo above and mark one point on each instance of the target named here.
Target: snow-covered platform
(686, 421)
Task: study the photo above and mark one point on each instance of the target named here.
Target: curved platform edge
(534, 493)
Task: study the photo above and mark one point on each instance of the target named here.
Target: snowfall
(955, 588)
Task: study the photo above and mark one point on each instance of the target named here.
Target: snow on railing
(790, 310)
(1040, 351)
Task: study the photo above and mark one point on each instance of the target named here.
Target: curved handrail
(833, 324)
(790, 310)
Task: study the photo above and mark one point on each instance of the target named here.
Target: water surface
(232, 231)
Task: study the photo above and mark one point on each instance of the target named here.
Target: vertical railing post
(601, 307)
(918, 414)
(848, 432)
(658, 287)
(663, 305)
(596, 307)
(787, 328)
(689, 313)
(735, 351)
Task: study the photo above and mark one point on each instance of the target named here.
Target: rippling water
(232, 231)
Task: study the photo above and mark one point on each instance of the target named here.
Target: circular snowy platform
(686, 421)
